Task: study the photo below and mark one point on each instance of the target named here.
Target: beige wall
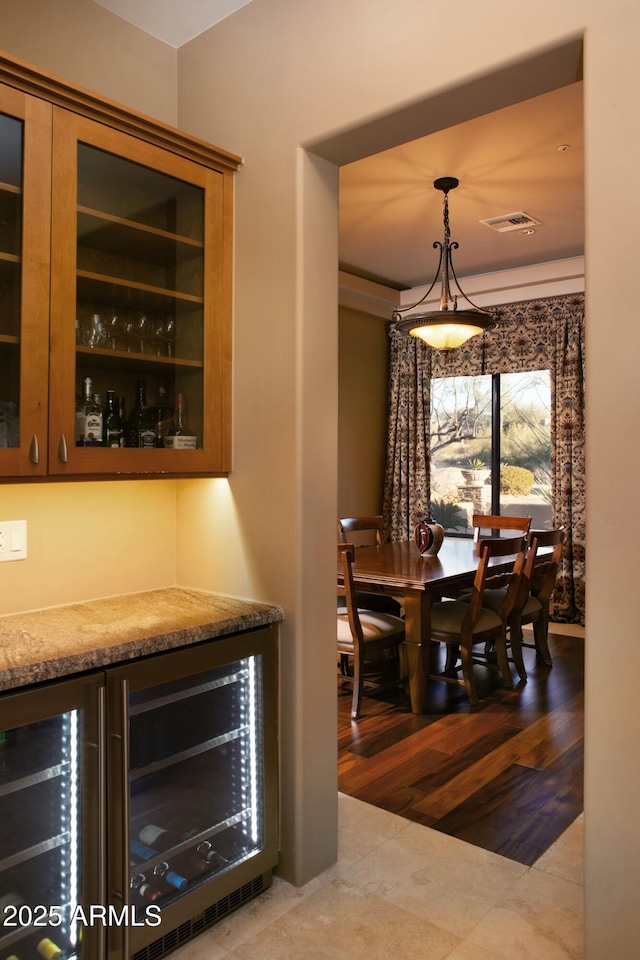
(280, 74)
(81, 41)
(363, 359)
(87, 540)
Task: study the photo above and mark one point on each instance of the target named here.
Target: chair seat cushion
(531, 609)
(375, 625)
(447, 618)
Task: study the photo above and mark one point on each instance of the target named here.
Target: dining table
(398, 570)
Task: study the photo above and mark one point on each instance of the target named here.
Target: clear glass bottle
(93, 422)
(81, 407)
(180, 436)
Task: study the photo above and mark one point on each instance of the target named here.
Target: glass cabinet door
(138, 327)
(49, 829)
(25, 143)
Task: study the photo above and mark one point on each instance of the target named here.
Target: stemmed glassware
(114, 326)
(164, 332)
(142, 327)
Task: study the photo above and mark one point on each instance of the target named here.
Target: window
(490, 448)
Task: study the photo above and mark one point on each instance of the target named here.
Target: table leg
(417, 633)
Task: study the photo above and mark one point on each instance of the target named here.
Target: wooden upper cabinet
(25, 224)
(115, 267)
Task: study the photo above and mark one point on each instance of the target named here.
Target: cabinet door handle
(34, 449)
(63, 453)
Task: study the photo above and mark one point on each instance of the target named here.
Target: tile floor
(403, 890)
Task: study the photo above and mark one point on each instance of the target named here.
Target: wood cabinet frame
(57, 116)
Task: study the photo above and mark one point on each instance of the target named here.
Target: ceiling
(174, 21)
(507, 162)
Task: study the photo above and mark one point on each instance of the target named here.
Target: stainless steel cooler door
(193, 744)
(51, 830)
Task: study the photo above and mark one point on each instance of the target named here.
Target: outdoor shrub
(516, 481)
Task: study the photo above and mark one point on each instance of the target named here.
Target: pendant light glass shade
(447, 327)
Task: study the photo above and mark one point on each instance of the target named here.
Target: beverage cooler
(142, 808)
(50, 820)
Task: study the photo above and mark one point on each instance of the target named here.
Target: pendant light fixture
(446, 327)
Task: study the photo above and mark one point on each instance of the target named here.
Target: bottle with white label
(93, 422)
(180, 436)
(81, 408)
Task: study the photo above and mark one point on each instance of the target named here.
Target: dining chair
(542, 581)
(494, 599)
(463, 625)
(371, 528)
(349, 525)
(495, 524)
(362, 632)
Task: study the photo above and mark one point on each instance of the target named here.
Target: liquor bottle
(93, 422)
(111, 427)
(163, 416)
(180, 436)
(122, 416)
(81, 406)
(140, 430)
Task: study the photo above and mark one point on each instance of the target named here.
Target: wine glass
(95, 334)
(143, 328)
(169, 335)
(114, 327)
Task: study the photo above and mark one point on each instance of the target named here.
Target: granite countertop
(60, 641)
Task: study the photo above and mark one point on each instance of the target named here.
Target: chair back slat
(349, 525)
(346, 556)
(488, 579)
(481, 521)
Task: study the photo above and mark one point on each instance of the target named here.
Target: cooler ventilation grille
(511, 221)
(171, 940)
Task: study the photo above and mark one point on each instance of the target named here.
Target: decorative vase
(429, 535)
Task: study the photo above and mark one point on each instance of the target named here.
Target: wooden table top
(399, 565)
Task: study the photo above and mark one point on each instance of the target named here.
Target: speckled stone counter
(61, 641)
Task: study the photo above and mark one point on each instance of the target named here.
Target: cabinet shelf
(92, 286)
(191, 842)
(103, 357)
(194, 751)
(190, 691)
(35, 851)
(8, 338)
(111, 234)
(23, 783)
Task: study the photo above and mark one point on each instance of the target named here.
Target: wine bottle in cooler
(142, 852)
(144, 889)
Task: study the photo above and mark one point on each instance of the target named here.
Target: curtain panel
(545, 334)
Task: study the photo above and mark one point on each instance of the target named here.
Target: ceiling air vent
(511, 221)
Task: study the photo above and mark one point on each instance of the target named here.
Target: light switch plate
(13, 540)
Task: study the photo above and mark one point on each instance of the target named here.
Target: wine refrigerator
(138, 805)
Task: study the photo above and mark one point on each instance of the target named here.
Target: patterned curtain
(545, 334)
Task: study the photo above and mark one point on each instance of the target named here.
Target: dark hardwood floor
(505, 775)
